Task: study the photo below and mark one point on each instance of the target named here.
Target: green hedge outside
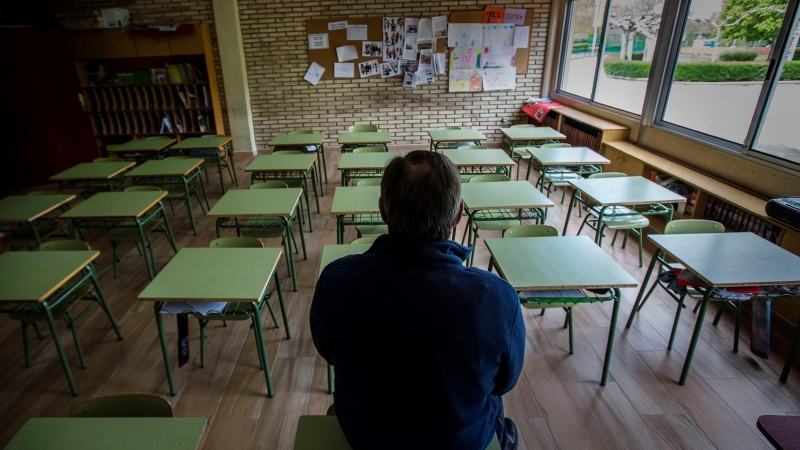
(709, 72)
(580, 45)
(741, 55)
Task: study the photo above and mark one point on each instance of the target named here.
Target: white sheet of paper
(356, 32)
(318, 41)
(408, 79)
(498, 57)
(410, 49)
(439, 63)
(314, 73)
(346, 53)
(426, 44)
(344, 70)
(515, 16)
(521, 37)
(498, 35)
(465, 35)
(425, 29)
(411, 27)
(499, 79)
(439, 26)
(337, 25)
(425, 60)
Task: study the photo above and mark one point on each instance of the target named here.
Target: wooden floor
(557, 402)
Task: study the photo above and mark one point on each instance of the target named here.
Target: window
(721, 65)
(626, 30)
(728, 72)
(580, 61)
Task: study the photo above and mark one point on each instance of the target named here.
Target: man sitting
(423, 347)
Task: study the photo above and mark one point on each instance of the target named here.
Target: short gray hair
(421, 195)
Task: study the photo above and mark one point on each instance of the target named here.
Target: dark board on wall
(523, 54)
(338, 38)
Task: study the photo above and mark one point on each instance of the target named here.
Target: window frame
(665, 57)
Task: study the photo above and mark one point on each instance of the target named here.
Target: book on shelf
(206, 96)
(159, 76)
(183, 99)
(174, 72)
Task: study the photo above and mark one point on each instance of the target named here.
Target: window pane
(779, 135)
(721, 65)
(580, 59)
(628, 52)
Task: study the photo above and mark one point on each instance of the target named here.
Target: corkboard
(338, 38)
(523, 54)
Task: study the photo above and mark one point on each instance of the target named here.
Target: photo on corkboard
(369, 68)
(371, 48)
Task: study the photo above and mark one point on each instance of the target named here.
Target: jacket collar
(437, 254)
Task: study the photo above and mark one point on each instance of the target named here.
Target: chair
(312, 148)
(688, 226)
(493, 219)
(243, 311)
(272, 227)
(130, 233)
(364, 241)
(126, 405)
(86, 290)
(176, 191)
(618, 218)
(107, 159)
(447, 145)
(24, 235)
(470, 171)
(518, 154)
(526, 231)
(556, 176)
(370, 149)
(296, 182)
(362, 128)
(370, 227)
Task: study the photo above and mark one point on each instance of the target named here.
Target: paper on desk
(344, 70)
(202, 308)
(356, 32)
(314, 73)
(346, 53)
(439, 26)
(465, 35)
(521, 36)
(337, 25)
(318, 41)
(425, 29)
(498, 35)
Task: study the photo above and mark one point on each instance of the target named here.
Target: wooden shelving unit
(122, 112)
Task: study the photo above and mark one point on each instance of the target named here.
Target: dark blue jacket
(422, 346)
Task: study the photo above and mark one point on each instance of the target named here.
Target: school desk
(214, 147)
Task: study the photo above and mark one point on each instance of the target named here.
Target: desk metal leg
(289, 253)
(611, 333)
(145, 245)
(233, 167)
(314, 179)
(170, 237)
(164, 350)
(340, 229)
(219, 169)
(59, 348)
(701, 315)
(638, 304)
(308, 202)
(261, 347)
(189, 203)
(324, 168)
(282, 304)
(571, 203)
(102, 300)
(598, 239)
(471, 238)
(787, 367)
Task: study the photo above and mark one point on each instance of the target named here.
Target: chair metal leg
(695, 337)
(639, 303)
(330, 379)
(25, 349)
(262, 348)
(60, 349)
(568, 323)
(675, 323)
(720, 310)
(787, 367)
(115, 256)
(736, 327)
(101, 299)
(272, 314)
(282, 304)
(37, 330)
(611, 332)
(164, 350)
(203, 324)
(71, 326)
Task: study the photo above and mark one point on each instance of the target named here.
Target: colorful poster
(371, 48)
(393, 38)
(465, 58)
(515, 16)
(498, 35)
(390, 69)
(465, 81)
(368, 68)
(498, 57)
(494, 15)
(499, 79)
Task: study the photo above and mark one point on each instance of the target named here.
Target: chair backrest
(375, 181)
(66, 245)
(555, 145)
(107, 159)
(301, 132)
(287, 152)
(369, 149)
(608, 175)
(112, 146)
(489, 177)
(269, 185)
(472, 147)
(523, 125)
(141, 188)
(362, 127)
(530, 231)
(44, 193)
(179, 157)
(153, 137)
(364, 241)
(236, 242)
(448, 128)
(210, 135)
(127, 405)
(693, 226)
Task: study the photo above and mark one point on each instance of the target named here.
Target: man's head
(421, 196)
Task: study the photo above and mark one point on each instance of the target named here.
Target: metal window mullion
(564, 39)
(777, 60)
(601, 48)
(670, 55)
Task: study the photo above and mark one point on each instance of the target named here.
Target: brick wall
(276, 53)
(275, 47)
(160, 12)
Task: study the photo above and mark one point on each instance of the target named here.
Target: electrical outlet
(505, 119)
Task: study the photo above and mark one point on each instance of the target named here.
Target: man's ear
(380, 208)
(460, 212)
